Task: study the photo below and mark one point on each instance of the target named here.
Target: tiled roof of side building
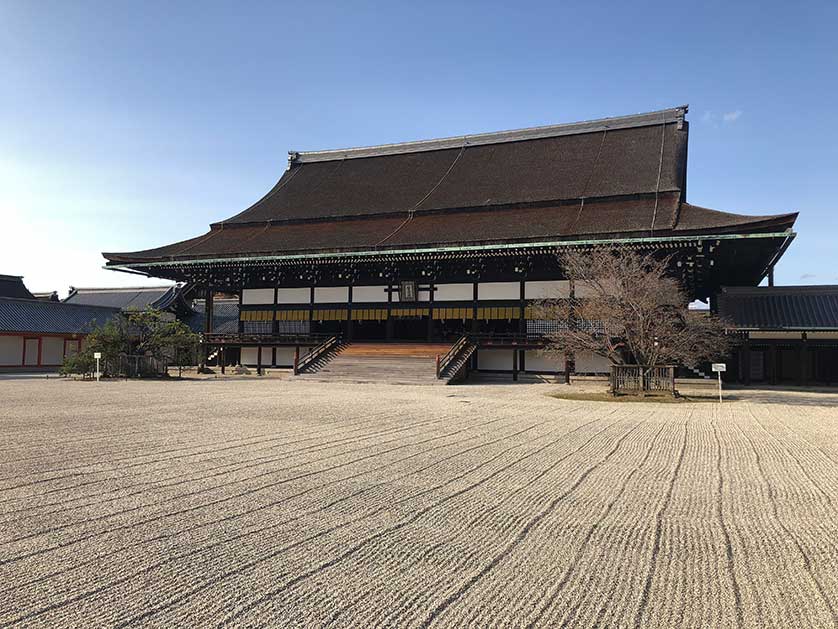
(124, 298)
(781, 307)
(225, 316)
(13, 286)
(50, 317)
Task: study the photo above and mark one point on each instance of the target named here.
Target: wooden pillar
(772, 364)
(514, 365)
(475, 323)
(349, 315)
(430, 309)
(803, 372)
(568, 358)
(388, 322)
(208, 316)
(771, 276)
(259, 360)
(746, 352)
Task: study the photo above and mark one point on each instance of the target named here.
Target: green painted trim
(459, 249)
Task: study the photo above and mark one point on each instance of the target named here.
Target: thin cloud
(732, 116)
(807, 276)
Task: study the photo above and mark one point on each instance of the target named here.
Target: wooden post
(259, 360)
(803, 374)
(222, 358)
(746, 350)
(208, 315)
(515, 365)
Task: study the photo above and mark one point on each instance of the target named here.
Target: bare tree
(628, 308)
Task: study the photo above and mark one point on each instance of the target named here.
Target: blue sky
(126, 126)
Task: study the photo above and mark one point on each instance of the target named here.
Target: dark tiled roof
(30, 315)
(593, 164)
(597, 180)
(12, 286)
(125, 298)
(225, 319)
(781, 307)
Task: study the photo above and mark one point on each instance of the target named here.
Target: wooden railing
(507, 339)
(642, 379)
(442, 362)
(221, 338)
(316, 353)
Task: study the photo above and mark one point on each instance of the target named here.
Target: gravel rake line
(653, 559)
(369, 540)
(772, 499)
(574, 564)
(412, 603)
(533, 522)
(248, 566)
(265, 529)
(237, 466)
(241, 569)
(729, 558)
(154, 453)
(794, 458)
(198, 492)
(164, 460)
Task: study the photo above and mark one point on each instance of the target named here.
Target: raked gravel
(247, 502)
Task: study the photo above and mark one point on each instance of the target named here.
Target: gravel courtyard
(253, 503)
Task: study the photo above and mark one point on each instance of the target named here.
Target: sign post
(719, 368)
(97, 356)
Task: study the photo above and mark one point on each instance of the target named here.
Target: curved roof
(602, 179)
(51, 317)
(159, 297)
(781, 307)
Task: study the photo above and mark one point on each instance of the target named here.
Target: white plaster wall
(258, 296)
(331, 294)
(250, 357)
(499, 290)
(495, 359)
(11, 350)
(374, 294)
(454, 292)
(285, 356)
(553, 289)
(30, 358)
(293, 295)
(52, 350)
(586, 362)
(539, 362)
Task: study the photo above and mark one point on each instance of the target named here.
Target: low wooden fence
(131, 366)
(642, 379)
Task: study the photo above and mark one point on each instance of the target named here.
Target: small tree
(628, 308)
(147, 332)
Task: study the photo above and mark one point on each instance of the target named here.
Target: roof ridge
(121, 288)
(57, 303)
(674, 114)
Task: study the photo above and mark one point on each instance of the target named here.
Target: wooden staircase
(392, 363)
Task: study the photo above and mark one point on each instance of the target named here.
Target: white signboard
(719, 368)
(97, 355)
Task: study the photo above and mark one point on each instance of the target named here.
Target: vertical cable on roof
(660, 169)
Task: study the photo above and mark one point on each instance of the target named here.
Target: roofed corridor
(238, 503)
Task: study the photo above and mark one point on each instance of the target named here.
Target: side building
(785, 334)
(38, 334)
(437, 240)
